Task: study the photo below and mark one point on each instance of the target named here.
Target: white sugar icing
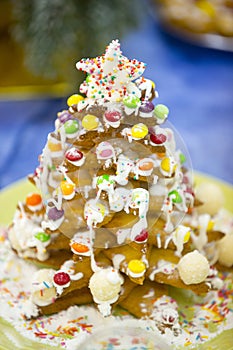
(22, 236)
(105, 286)
(16, 278)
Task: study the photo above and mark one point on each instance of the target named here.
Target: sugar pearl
(225, 249)
(193, 268)
(211, 196)
(105, 284)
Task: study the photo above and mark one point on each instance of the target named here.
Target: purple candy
(55, 214)
(146, 107)
(64, 116)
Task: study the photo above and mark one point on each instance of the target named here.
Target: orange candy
(79, 248)
(54, 147)
(67, 188)
(33, 199)
(147, 165)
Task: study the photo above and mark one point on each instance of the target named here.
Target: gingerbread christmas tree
(110, 223)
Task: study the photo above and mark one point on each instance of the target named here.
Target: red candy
(158, 139)
(112, 116)
(74, 154)
(106, 153)
(142, 237)
(61, 278)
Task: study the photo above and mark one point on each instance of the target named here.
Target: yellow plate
(9, 198)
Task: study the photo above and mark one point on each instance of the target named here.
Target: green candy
(88, 78)
(182, 158)
(131, 101)
(103, 178)
(161, 111)
(176, 197)
(42, 236)
(71, 126)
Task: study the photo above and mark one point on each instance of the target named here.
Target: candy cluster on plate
(117, 220)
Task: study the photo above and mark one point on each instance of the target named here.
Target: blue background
(195, 83)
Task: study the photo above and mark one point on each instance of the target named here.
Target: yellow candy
(210, 225)
(66, 187)
(74, 99)
(100, 208)
(136, 266)
(206, 7)
(152, 83)
(139, 130)
(54, 147)
(168, 165)
(90, 122)
(181, 234)
(187, 236)
(165, 164)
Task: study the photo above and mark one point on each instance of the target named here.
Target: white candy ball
(105, 284)
(225, 250)
(43, 291)
(212, 197)
(193, 268)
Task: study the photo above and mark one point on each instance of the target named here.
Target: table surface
(195, 83)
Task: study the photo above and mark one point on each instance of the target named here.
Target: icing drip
(180, 236)
(124, 167)
(105, 183)
(105, 286)
(138, 199)
(22, 236)
(201, 240)
(164, 267)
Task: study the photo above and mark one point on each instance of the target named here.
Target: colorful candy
(168, 166)
(105, 151)
(79, 248)
(71, 128)
(90, 122)
(146, 109)
(54, 146)
(112, 118)
(157, 139)
(61, 278)
(142, 237)
(180, 236)
(74, 99)
(175, 196)
(64, 116)
(161, 113)
(131, 101)
(75, 156)
(67, 189)
(139, 131)
(55, 214)
(182, 158)
(144, 167)
(42, 236)
(80, 243)
(136, 268)
(34, 201)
